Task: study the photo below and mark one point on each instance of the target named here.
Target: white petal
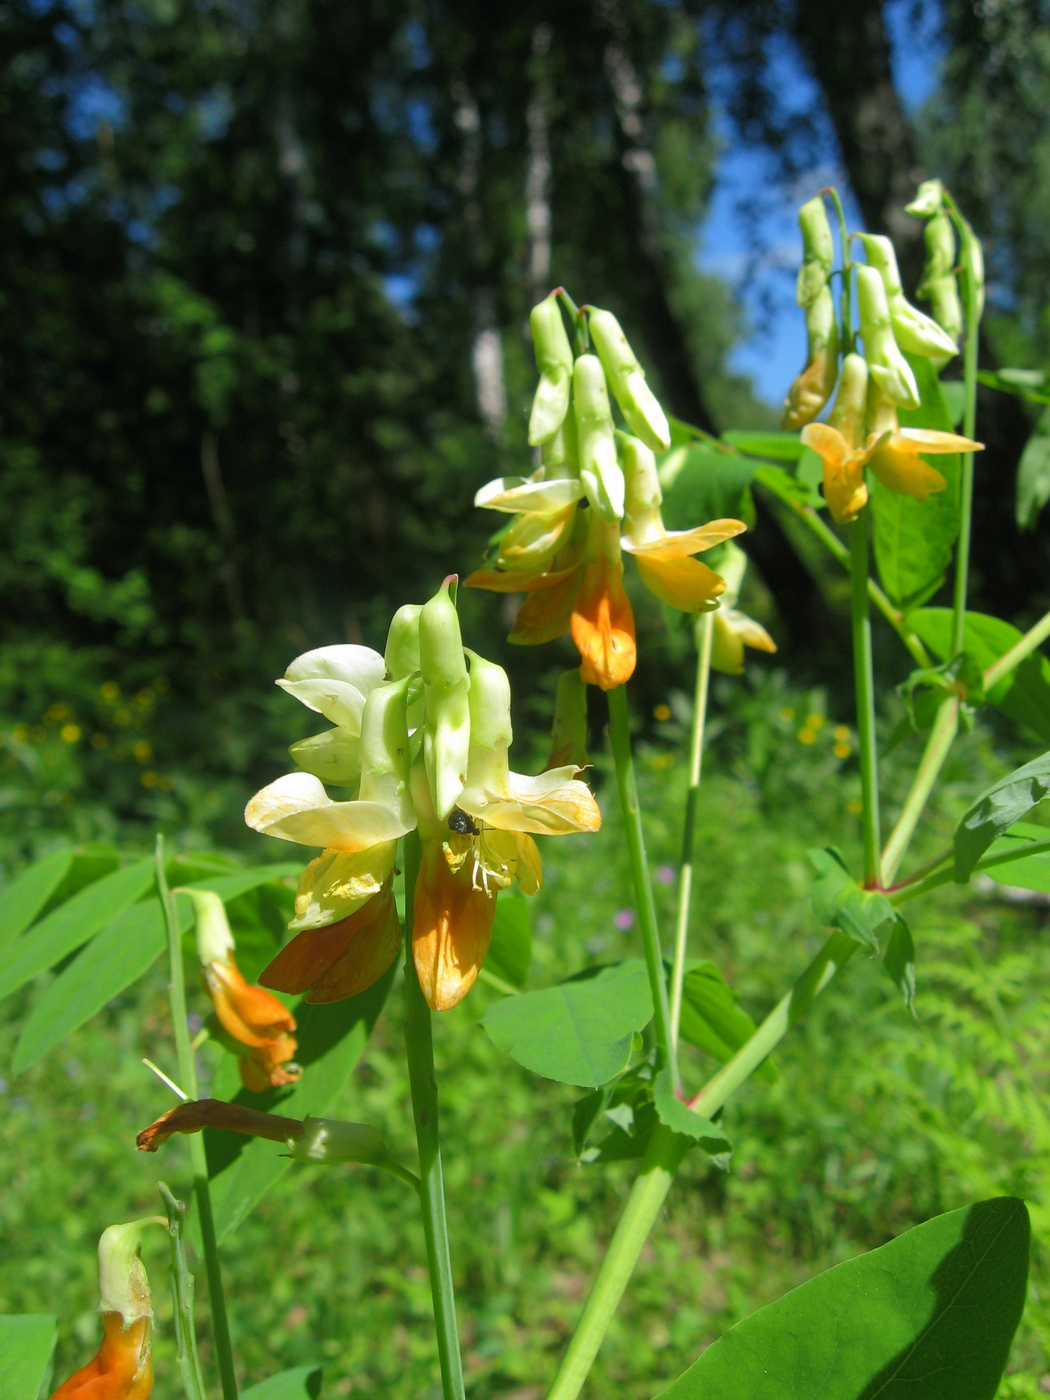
(551, 804)
(360, 667)
(297, 808)
(338, 701)
(516, 495)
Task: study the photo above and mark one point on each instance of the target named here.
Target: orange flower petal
(603, 625)
(191, 1117)
(451, 929)
(367, 958)
(250, 1014)
(342, 959)
(897, 464)
(685, 584)
(121, 1370)
(544, 616)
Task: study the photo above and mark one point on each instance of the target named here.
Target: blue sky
(773, 352)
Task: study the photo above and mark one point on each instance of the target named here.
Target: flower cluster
(863, 428)
(423, 733)
(595, 495)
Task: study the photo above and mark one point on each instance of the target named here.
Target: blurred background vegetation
(265, 269)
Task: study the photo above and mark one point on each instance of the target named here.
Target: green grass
(878, 1120)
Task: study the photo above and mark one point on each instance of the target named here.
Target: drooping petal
(547, 614)
(341, 959)
(679, 544)
(451, 930)
(335, 885)
(553, 803)
(603, 625)
(827, 442)
(733, 631)
(516, 495)
(297, 808)
(897, 464)
(685, 584)
(266, 1066)
(257, 1021)
(193, 1116)
(338, 701)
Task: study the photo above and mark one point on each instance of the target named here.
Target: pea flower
(897, 453)
(333, 681)
(734, 630)
(262, 1028)
(913, 331)
(122, 1368)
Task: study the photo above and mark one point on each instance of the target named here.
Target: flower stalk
(942, 735)
(864, 684)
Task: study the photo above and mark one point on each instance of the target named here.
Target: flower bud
(971, 259)
(569, 728)
(638, 404)
(554, 362)
(214, 939)
(599, 470)
(847, 412)
(887, 367)
(402, 642)
(446, 732)
(385, 754)
(327, 1141)
(818, 250)
(122, 1283)
(928, 199)
(560, 452)
(333, 756)
(814, 386)
(913, 330)
(490, 725)
(643, 521)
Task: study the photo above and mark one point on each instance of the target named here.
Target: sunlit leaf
(995, 811)
(677, 1116)
(898, 959)
(26, 1344)
(929, 1316)
(1033, 474)
(23, 899)
(839, 902)
(1027, 872)
(510, 952)
(707, 485)
(781, 447)
(711, 1018)
(301, 1383)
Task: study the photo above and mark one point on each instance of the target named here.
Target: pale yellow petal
(932, 440)
(516, 495)
(680, 544)
(337, 884)
(297, 808)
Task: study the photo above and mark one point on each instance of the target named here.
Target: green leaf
(114, 958)
(1027, 384)
(301, 1383)
(624, 1109)
(677, 1116)
(510, 952)
(708, 485)
(899, 960)
(799, 488)
(1024, 694)
(954, 391)
(928, 1316)
(1027, 872)
(839, 902)
(781, 447)
(580, 1031)
(996, 810)
(26, 1344)
(72, 924)
(332, 1038)
(711, 1018)
(1033, 474)
(239, 882)
(914, 539)
(683, 433)
(23, 899)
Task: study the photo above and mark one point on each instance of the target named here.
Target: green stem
(620, 737)
(778, 484)
(705, 632)
(186, 1356)
(942, 736)
(659, 1165)
(419, 1044)
(1034, 637)
(962, 551)
(663, 1158)
(198, 1158)
(864, 683)
(943, 877)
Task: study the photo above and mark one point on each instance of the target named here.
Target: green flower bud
(385, 754)
(599, 470)
(887, 367)
(643, 520)
(938, 285)
(326, 1141)
(560, 452)
(402, 642)
(569, 729)
(490, 726)
(554, 362)
(214, 939)
(971, 260)
(122, 1283)
(818, 250)
(333, 756)
(446, 730)
(847, 412)
(928, 199)
(638, 404)
(915, 332)
(814, 386)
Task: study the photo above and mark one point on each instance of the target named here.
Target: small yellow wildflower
(806, 735)
(841, 750)
(69, 733)
(662, 712)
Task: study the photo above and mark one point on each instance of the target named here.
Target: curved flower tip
(603, 625)
(191, 1117)
(122, 1369)
(451, 927)
(257, 1021)
(341, 959)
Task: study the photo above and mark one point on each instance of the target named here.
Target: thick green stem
(659, 1165)
(1034, 637)
(419, 1044)
(942, 736)
(186, 1357)
(620, 737)
(864, 685)
(198, 1159)
(962, 549)
(705, 632)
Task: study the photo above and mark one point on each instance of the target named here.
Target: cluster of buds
(595, 494)
(252, 1022)
(423, 733)
(863, 428)
(122, 1368)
